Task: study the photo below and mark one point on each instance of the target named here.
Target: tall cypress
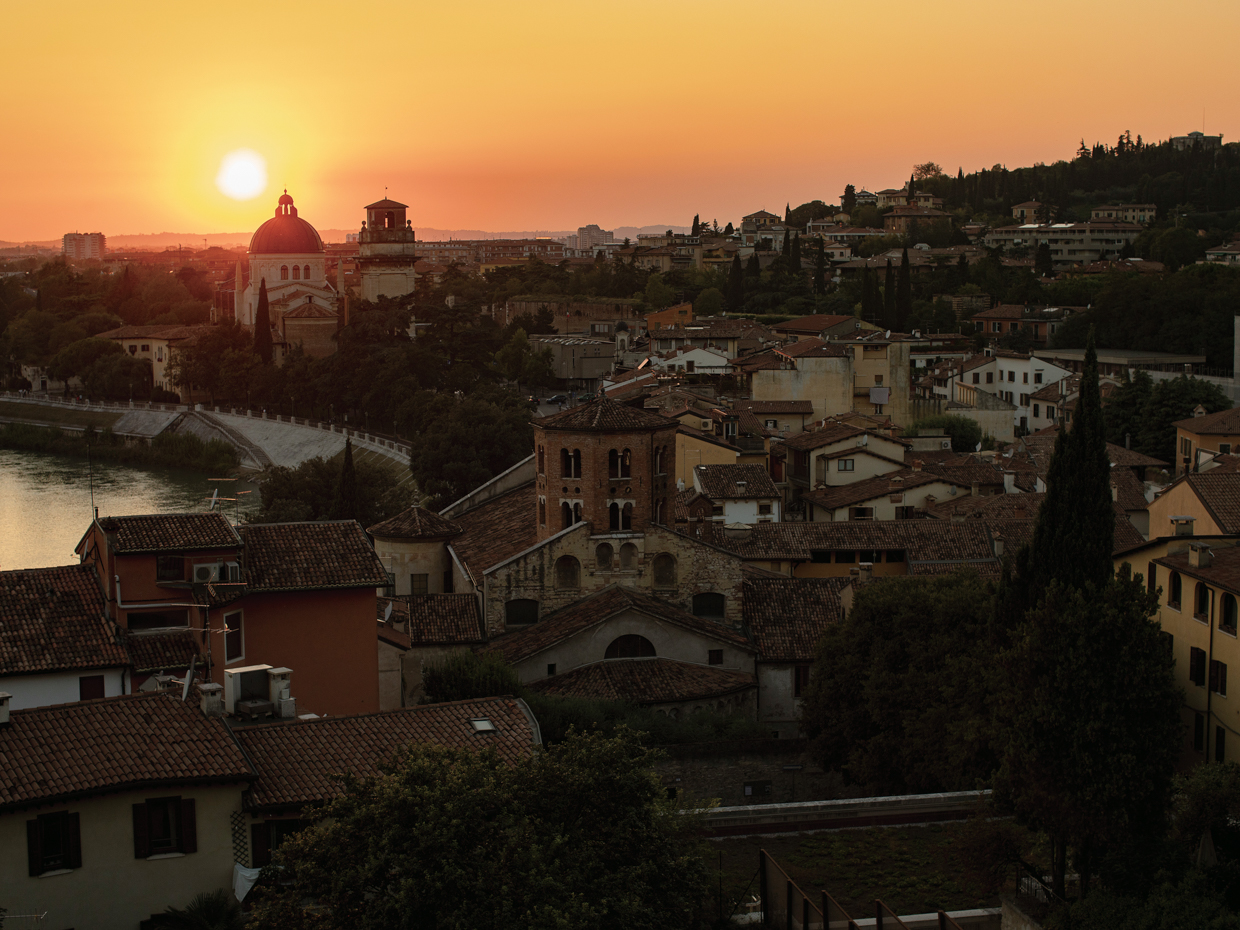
(820, 269)
(889, 296)
(262, 325)
(794, 258)
(904, 293)
(753, 267)
(787, 248)
(348, 502)
(697, 225)
(736, 284)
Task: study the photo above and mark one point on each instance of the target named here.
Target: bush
(965, 433)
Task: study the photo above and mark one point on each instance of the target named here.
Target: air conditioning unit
(247, 692)
(206, 572)
(945, 444)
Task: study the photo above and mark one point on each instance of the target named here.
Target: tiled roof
(723, 482)
(596, 609)
(1001, 312)
(706, 437)
(297, 761)
(922, 540)
(171, 532)
(1013, 516)
(811, 324)
(496, 530)
(1129, 490)
(155, 652)
(849, 495)
(309, 556)
(816, 439)
(1131, 459)
(604, 414)
(309, 311)
(52, 619)
(1223, 423)
(415, 523)
(1220, 492)
(94, 747)
(760, 407)
(1223, 570)
(646, 681)
(967, 473)
(789, 615)
(444, 618)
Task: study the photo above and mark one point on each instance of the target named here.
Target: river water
(45, 502)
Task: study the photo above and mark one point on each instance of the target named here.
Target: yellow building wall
(692, 451)
(1180, 500)
(113, 890)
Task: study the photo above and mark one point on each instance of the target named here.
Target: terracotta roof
(596, 609)
(155, 652)
(1223, 423)
(646, 681)
(52, 619)
(113, 744)
(415, 523)
(848, 495)
(723, 482)
(1131, 459)
(828, 435)
(789, 615)
(1223, 570)
(171, 532)
(310, 556)
(1129, 490)
(496, 530)
(1219, 491)
(1012, 516)
(604, 414)
(444, 618)
(811, 324)
(1001, 312)
(760, 407)
(922, 540)
(298, 761)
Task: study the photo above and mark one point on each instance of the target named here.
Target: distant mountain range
(144, 241)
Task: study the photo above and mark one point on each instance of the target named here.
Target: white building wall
(58, 687)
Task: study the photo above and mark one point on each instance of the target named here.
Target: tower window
(284, 272)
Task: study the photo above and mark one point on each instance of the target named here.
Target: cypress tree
(962, 270)
(753, 267)
(795, 253)
(736, 284)
(904, 293)
(262, 325)
(820, 269)
(889, 296)
(348, 502)
(787, 249)
(697, 224)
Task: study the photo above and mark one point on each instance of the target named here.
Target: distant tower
(385, 251)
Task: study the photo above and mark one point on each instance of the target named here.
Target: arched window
(613, 463)
(659, 512)
(575, 460)
(1201, 606)
(542, 511)
(628, 557)
(626, 517)
(664, 570)
(284, 272)
(566, 513)
(709, 605)
(626, 464)
(1173, 590)
(570, 463)
(567, 572)
(296, 272)
(520, 612)
(658, 460)
(576, 513)
(305, 272)
(603, 556)
(613, 516)
(1227, 613)
(630, 646)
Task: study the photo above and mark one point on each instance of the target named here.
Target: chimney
(1199, 411)
(1114, 491)
(1183, 525)
(4, 708)
(1019, 512)
(279, 692)
(212, 699)
(1200, 555)
(957, 515)
(863, 573)
(975, 489)
(997, 544)
(1063, 387)
(917, 463)
(1127, 440)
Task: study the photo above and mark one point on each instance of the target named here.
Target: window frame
(424, 583)
(68, 825)
(234, 636)
(182, 820)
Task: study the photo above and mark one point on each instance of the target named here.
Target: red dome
(285, 233)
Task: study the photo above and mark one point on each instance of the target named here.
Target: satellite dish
(888, 336)
(978, 447)
(189, 679)
(387, 612)
(214, 497)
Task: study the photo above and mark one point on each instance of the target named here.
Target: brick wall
(722, 770)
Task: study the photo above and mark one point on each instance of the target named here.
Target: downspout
(1209, 668)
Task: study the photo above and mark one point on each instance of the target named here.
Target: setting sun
(242, 175)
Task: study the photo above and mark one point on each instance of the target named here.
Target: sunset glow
(550, 115)
(243, 175)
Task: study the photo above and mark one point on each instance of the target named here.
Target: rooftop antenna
(90, 468)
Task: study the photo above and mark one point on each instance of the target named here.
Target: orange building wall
(326, 637)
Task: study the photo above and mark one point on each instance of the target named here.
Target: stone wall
(776, 771)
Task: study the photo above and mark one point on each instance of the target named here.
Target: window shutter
(1222, 677)
(73, 841)
(34, 847)
(1214, 675)
(141, 840)
(260, 844)
(189, 826)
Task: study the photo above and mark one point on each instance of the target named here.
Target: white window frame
(228, 660)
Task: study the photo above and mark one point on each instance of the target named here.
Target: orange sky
(550, 115)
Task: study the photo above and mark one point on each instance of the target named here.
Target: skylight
(482, 725)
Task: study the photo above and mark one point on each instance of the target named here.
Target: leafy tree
(658, 294)
(729, 230)
(896, 700)
(753, 267)
(73, 360)
(709, 302)
(1126, 408)
(576, 836)
(118, 376)
(1042, 263)
(965, 433)
(262, 325)
(467, 442)
(539, 369)
(697, 225)
(849, 202)
(890, 317)
(1169, 401)
(904, 293)
(927, 170)
(820, 268)
(511, 359)
(464, 676)
(309, 492)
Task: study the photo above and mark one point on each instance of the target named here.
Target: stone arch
(710, 605)
(603, 557)
(664, 570)
(284, 272)
(567, 572)
(297, 272)
(628, 557)
(305, 272)
(613, 516)
(630, 646)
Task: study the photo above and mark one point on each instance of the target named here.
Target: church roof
(415, 523)
(646, 681)
(286, 233)
(604, 414)
(386, 204)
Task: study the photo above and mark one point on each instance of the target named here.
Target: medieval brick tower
(609, 465)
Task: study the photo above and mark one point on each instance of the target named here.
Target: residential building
(588, 237)
(689, 360)
(696, 447)
(410, 546)
(897, 495)
(1142, 213)
(1016, 378)
(1040, 323)
(577, 362)
(739, 493)
(1209, 501)
(676, 315)
(1028, 212)
(1204, 435)
(1068, 242)
(1197, 139)
(787, 417)
(838, 454)
(823, 326)
(1228, 254)
(80, 247)
(905, 218)
(156, 344)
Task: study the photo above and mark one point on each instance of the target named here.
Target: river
(45, 502)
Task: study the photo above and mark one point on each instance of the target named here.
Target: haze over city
(550, 115)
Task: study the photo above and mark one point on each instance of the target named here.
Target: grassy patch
(914, 869)
(68, 416)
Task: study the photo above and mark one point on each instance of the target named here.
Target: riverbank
(167, 450)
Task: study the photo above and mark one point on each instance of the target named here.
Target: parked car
(585, 398)
(557, 399)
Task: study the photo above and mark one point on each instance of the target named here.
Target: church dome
(286, 233)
